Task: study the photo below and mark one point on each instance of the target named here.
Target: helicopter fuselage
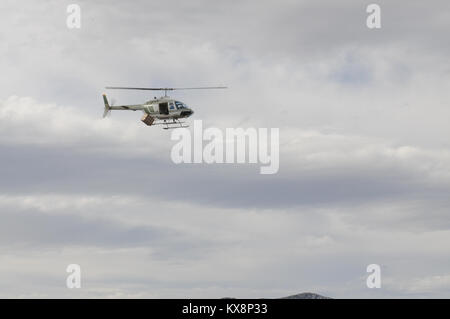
(163, 111)
(163, 108)
(167, 108)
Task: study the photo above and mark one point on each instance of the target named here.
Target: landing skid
(171, 125)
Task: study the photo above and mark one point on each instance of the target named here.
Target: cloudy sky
(364, 150)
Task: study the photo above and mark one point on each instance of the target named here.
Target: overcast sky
(364, 150)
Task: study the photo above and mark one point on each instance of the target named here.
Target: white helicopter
(163, 111)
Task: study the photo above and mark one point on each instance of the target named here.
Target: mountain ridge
(303, 295)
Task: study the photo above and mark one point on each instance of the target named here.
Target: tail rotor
(107, 110)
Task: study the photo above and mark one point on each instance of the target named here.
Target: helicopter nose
(187, 113)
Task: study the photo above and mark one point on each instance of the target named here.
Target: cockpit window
(180, 105)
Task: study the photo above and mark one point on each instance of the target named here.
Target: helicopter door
(164, 108)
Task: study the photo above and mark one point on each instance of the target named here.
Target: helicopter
(163, 111)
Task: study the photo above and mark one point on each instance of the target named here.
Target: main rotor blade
(164, 89)
(202, 88)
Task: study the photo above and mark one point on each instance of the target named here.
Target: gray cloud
(33, 229)
(68, 171)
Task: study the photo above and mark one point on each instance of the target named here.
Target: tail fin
(107, 107)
